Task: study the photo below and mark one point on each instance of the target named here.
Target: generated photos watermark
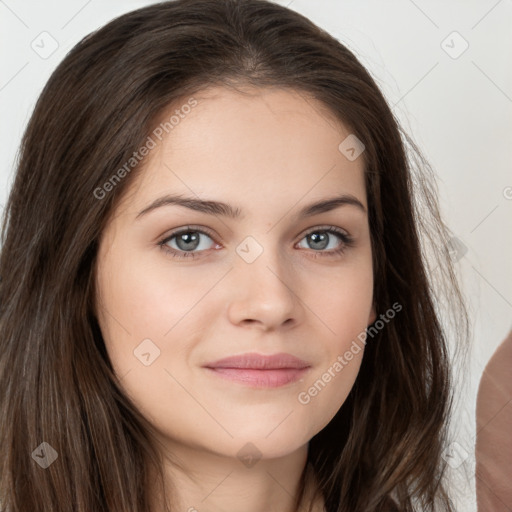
(305, 397)
(158, 133)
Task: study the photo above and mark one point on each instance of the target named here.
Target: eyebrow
(226, 210)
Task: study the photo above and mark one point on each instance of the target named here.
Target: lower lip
(261, 378)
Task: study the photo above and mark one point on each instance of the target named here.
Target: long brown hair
(57, 383)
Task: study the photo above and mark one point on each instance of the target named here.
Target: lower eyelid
(346, 241)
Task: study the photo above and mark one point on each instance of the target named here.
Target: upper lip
(259, 362)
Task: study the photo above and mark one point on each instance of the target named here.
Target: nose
(263, 293)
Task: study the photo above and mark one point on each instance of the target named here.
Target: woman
(214, 291)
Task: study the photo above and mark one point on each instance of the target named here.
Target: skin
(268, 153)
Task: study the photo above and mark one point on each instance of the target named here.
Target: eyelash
(347, 241)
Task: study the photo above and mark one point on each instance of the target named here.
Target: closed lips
(260, 362)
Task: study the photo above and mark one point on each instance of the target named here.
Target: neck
(203, 481)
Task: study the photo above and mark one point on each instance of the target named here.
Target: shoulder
(493, 448)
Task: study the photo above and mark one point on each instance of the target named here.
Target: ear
(373, 315)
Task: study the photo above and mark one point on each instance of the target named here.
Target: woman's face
(260, 275)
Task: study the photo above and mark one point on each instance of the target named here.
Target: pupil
(320, 239)
(187, 241)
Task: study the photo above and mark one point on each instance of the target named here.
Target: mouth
(257, 370)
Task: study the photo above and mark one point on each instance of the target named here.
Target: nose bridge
(263, 292)
(262, 259)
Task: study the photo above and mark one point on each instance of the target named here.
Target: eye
(185, 241)
(188, 242)
(321, 238)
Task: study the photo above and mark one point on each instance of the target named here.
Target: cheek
(144, 298)
(145, 317)
(327, 390)
(343, 302)
(344, 310)
(142, 301)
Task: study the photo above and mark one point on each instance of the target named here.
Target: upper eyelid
(186, 229)
(326, 227)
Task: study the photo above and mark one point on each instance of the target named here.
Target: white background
(458, 110)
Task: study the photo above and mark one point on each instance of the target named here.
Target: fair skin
(270, 155)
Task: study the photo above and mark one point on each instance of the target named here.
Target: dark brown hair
(57, 383)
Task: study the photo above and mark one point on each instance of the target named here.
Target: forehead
(263, 144)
